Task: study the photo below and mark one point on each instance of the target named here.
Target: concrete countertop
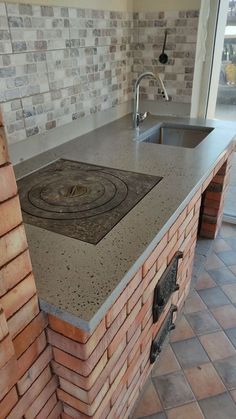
(77, 281)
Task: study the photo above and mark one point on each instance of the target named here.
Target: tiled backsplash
(149, 34)
(59, 64)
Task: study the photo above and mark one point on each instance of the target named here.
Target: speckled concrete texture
(78, 281)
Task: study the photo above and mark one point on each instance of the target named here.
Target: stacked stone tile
(60, 64)
(178, 72)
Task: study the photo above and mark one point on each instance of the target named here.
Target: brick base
(50, 369)
(100, 376)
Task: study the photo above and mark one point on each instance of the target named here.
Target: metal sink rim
(141, 137)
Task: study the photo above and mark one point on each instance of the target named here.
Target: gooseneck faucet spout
(139, 117)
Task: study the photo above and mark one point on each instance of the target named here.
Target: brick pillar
(213, 202)
(27, 385)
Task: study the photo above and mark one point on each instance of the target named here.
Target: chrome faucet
(139, 117)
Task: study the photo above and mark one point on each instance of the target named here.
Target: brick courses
(213, 199)
(24, 355)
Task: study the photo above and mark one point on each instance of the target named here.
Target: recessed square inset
(81, 200)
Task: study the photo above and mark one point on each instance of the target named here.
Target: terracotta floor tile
(225, 315)
(156, 416)
(223, 276)
(230, 291)
(204, 381)
(228, 257)
(190, 353)
(214, 297)
(231, 333)
(168, 388)
(161, 415)
(166, 363)
(233, 395)
(182, 331)
(203, 322)
(194, 303)
(227, 370)
(149, 403)
(231, 242)
(205, 281)
(188, 411)
(180, 393)
(233, 269)
(228, 230)
(218, 407)
(220, 245)
(217, 345)
(213, 262)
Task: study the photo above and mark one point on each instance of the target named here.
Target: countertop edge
(89, 326)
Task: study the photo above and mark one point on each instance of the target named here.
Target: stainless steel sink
(176, 135)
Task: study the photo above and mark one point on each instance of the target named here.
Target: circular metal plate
(71, 195)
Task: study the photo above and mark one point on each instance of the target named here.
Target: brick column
(213, 201)
(27, 385)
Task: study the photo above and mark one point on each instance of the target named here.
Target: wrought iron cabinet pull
(157, 343)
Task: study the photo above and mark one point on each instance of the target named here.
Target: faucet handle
(143, 116)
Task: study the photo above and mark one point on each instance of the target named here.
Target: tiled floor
(195, 376)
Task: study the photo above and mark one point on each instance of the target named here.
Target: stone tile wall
(177, 73)
(58, 64)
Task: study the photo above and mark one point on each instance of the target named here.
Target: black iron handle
(164, 44)
(157, 347)
(166, 327)
(163, 58)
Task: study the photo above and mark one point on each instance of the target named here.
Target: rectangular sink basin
(177, 135)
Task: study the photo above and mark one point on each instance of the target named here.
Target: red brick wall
(213, 200)
(27, 383)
